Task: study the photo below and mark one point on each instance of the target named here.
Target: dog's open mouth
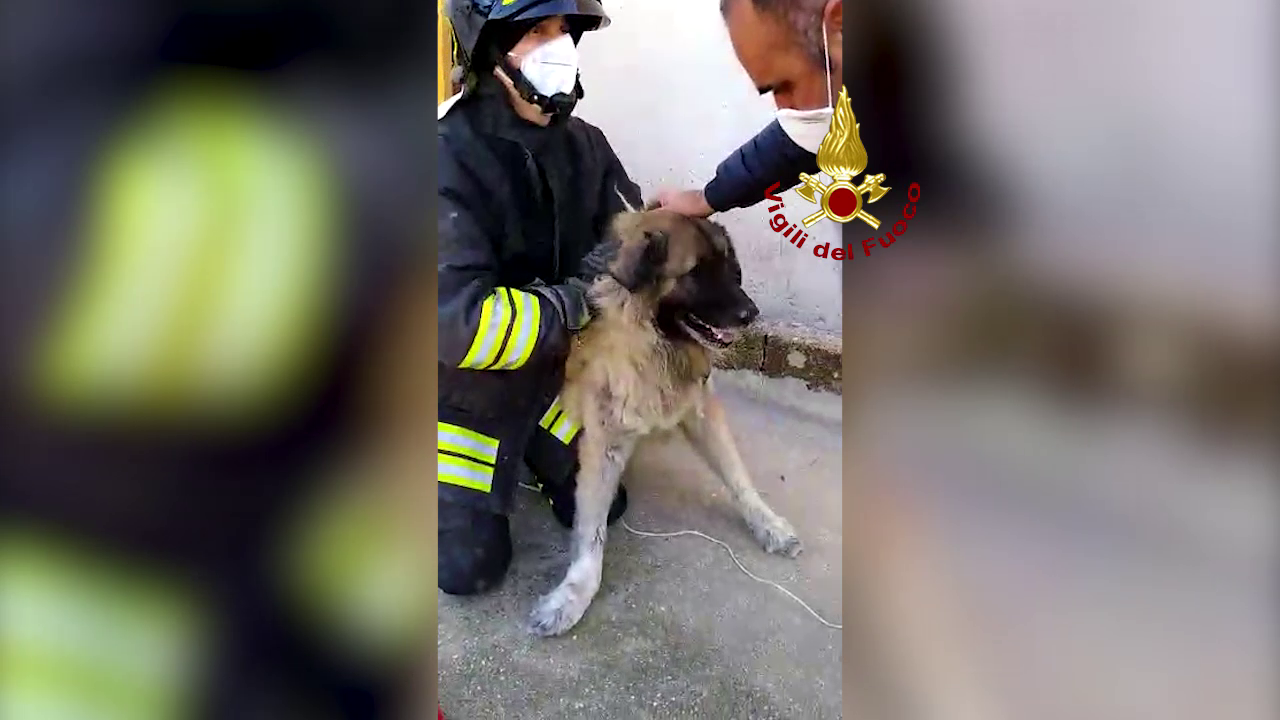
(708, 335)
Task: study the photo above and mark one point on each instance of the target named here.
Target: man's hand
(685, 202)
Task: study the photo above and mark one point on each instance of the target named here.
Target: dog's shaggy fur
(672, 297)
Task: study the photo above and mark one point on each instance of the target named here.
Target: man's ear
(640, 260)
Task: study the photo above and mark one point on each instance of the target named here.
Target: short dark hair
(802, 17)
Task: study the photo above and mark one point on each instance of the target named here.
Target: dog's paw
(558, 611)
(777, 536)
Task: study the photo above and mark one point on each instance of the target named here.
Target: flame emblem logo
(842, 157)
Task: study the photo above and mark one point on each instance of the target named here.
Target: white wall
(663, 84)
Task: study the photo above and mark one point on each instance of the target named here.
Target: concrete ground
(677, 630)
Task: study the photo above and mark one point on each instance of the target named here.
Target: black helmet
(474, 23)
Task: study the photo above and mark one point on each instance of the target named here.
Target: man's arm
(743, 178)
(770, 157)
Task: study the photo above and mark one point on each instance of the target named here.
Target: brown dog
(673, 297)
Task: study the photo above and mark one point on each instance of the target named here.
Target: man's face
(776, 61)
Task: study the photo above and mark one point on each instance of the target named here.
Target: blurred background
(216, 302)
(1063, 379)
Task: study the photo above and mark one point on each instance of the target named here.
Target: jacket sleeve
(483, 325)
(770, 157)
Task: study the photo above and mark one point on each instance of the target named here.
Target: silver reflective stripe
(558, 423)
(463, 472)
(565, 429)
(550, 415)
(466, 442)
(496, 315)
(524, 334)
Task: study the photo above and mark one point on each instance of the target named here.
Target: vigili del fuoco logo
(842, 157)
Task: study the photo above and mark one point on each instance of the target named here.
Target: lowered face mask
(807, 128)
(552, 68)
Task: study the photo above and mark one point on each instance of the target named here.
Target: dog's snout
(748, 313)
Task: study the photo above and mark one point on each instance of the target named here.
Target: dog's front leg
(708, 433)
(600, 468)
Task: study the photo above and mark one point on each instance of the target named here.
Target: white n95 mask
(552, 67)
(807, 128)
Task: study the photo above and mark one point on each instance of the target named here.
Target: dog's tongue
(724, 336)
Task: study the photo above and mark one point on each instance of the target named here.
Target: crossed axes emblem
(813, 190)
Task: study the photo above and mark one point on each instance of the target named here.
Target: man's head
(519, 41)
(780, 45)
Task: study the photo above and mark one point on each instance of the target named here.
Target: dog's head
(686, 272)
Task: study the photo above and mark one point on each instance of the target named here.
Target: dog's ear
(640, 260)
(718, 235)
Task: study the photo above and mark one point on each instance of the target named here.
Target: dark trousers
(474, 543)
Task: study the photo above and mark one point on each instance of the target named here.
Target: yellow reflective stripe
(550, 415)
(465, 473)
(351, 568)
(496, 316)
(475, 470)
(67, 616)
(466, 442)
(209, 249)
(143, 253)
(525, 333)
(565, 429)
(558, 423)
(273, 274)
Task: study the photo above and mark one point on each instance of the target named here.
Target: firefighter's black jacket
(518, 203)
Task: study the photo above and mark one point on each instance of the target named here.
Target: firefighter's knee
(474, 549)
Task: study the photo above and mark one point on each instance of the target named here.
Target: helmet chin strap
(558, 106)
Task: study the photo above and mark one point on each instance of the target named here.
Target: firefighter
(525, 192)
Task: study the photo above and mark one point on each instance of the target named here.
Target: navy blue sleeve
(770, 157)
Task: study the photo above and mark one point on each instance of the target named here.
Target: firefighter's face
(544, 32)
(549, 29)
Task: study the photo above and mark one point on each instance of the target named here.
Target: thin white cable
(732, 554)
